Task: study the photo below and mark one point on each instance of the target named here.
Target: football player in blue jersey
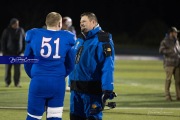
(53, 48)
(91, 81)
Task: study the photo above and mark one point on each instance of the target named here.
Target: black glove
(107, 94)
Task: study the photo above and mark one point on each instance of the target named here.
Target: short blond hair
(53, 19)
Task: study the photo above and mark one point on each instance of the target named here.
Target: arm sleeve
(4, 41)
(70, 57)
(23, 44)
(163, 49)
(69, 61)
(107, 78)
(28, 53)
(27, 66)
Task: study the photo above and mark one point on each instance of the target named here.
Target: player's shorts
(46, 93)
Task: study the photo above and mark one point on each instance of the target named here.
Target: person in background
(67, 25)
(13, 44)
(54, 50)
(91, 81)
(170, 49)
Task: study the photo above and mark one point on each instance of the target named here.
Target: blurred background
(137, 26)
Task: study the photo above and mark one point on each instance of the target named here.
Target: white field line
(119, 108)
(137, 57)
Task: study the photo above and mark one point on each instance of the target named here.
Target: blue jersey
(94, 68)
(53, 50)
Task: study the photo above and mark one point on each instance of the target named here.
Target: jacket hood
(93, 32)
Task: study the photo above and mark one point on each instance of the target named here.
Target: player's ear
(60, 24)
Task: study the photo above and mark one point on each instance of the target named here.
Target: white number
(57, 49)
(45, 42)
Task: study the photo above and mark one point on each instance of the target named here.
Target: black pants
(8, 74)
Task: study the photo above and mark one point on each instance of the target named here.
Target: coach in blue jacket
(91, 81)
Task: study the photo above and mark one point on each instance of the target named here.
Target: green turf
(138, 84)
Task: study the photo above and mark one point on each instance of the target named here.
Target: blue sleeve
(70, 58)
(28, 53)
(69, 61)
(108, 69)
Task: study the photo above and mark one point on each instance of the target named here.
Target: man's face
(86, 24)
(66, 23)
(15, 25)
(174, 34)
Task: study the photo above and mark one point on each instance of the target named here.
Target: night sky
(115, 16)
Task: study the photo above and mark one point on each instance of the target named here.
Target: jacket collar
(92, 32)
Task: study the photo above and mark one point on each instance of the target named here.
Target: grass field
(138, 84)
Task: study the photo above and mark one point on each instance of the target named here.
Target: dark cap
(173, 29)
(13, 21)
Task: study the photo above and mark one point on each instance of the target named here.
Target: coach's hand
(107, 94)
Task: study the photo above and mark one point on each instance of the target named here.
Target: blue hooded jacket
(92, 63)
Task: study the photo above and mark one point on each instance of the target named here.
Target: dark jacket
(169, 49)
(12, 41)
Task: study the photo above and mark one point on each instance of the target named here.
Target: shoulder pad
(103, 36)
